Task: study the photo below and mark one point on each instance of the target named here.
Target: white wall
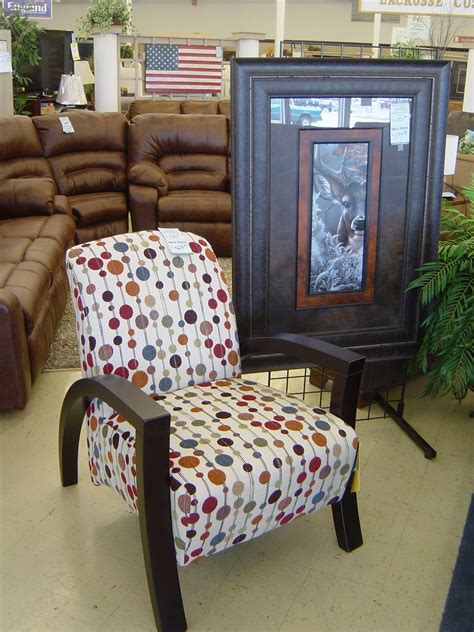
(328, 20)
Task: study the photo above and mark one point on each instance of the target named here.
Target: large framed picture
(337, 182)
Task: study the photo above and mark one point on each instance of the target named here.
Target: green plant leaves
(446, 349)
(25, 50)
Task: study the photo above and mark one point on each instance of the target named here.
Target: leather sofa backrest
(199, 107)
(21, 154)
(191, 149)
(176, 106)
(93, 159)
(224, 108)
(146, 106)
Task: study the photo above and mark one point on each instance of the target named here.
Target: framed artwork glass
(337, 182)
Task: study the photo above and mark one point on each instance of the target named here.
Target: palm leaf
(446, 349)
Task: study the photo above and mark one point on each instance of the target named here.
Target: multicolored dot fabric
(244, 458)
(162, 321)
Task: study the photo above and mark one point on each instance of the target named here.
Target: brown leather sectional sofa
(35, 230)
(58, 188)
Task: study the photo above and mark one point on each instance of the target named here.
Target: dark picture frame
(337, 266)
(266, 164)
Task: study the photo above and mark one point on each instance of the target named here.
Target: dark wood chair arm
(140, 410)
(150, 420)
(309, 350)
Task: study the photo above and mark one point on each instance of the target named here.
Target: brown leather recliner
(179, 175)
(35, 231)
(89, 167)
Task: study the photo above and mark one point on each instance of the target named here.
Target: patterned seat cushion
(244, 459)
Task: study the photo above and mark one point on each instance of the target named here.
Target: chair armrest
(140, 410)
(62, 205)
(309, 350)
(26, 197)
(150, 420)
(148, 174)
(345, 365)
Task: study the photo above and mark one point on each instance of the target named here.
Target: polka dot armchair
(207, 458)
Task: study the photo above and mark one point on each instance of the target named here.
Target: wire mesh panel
(314, 385)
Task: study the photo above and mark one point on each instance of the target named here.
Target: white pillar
(248, 44)
(376, 34)
(106, 71)
(279, 26)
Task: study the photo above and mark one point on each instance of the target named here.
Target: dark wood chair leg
(157, 532)
(70, 424)
(345, 515)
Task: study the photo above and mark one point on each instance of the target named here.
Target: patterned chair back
(161, 320)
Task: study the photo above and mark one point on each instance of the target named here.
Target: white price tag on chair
(177, 241)
(66, 125)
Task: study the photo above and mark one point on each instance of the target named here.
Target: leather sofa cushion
(31, 253)
(58, 228)
(18, 138)
(95, 208)
(199, 107)
(146, 106)
(195, 171)
(94, 132)
(90, 172)
(192, 206)
(196, 180)
(152, 136)
(25, 197)
(25, 168)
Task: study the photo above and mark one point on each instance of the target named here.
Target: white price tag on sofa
(66, 125)
(177, 241)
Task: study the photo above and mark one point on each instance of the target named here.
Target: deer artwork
(346, 188)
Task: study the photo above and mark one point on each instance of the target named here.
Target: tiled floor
(70, 559)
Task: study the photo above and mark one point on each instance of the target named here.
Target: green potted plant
(405, 50)
(126, 51)
(446, 351)
(104, 14)
(25, 36)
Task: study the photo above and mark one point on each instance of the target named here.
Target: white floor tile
(71, 559)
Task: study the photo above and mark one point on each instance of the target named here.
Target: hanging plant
(25, 36)
(103, 14)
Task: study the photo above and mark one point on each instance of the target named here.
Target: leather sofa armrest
(26, 197)
(143, 207)
(14, 358)
(148, 174)
(62, 205)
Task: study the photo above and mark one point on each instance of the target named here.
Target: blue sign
(38, 9)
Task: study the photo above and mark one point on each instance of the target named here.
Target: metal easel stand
(397, 416)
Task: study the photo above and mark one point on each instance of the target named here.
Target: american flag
(182, 68)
